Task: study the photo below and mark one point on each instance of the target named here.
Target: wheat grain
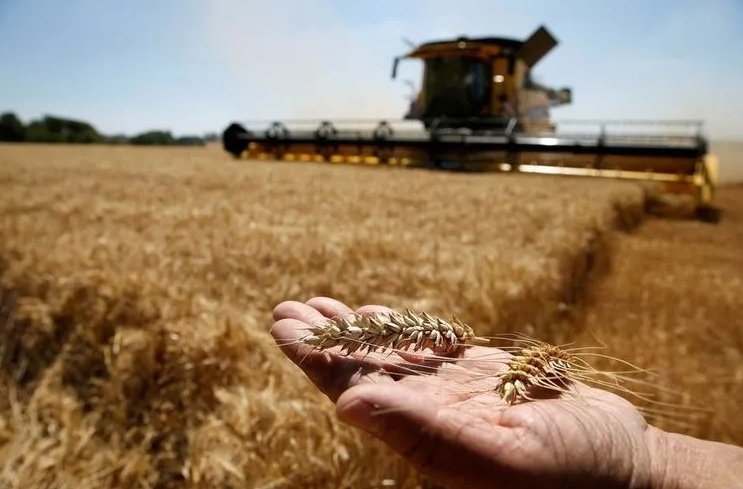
(384, 331)
(544, 366)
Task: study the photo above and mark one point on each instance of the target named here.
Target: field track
(143, 281)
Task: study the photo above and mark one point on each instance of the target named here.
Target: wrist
(684, 462)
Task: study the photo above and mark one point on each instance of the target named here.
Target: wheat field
(138, 285)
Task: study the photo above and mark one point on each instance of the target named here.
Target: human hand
(471, 442)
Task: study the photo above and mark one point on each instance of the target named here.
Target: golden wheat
(545, 365)
(384, 331)
(145, 277)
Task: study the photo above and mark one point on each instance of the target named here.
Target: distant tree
(154, 138)
(116, 139)
(72, 131)
(189, 141)
(11, 128)
(52, 129)
(211, 137)
(38, 132)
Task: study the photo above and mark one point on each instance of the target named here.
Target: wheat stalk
(413, 331)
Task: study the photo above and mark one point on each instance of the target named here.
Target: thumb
(400, 417)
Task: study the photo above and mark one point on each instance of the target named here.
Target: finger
(298, 310)
(293, 319)
(329, 307)
(370, 309)
(331, 374)
(394, 414)
(288, 333)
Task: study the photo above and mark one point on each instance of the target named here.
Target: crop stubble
(146, 277)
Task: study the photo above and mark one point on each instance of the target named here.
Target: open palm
(465, 440)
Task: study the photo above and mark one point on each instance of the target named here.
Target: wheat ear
(412, 331)
(545, 366)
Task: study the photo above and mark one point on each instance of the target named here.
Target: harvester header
(479, 109)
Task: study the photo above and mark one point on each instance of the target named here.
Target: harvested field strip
(673, 303)
(148, 277)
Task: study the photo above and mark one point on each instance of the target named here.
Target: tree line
(52, 129)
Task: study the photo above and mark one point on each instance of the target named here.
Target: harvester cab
(484, 84)
(479, 108)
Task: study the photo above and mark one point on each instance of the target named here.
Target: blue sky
(193, 66)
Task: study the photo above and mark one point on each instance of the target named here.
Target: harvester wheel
(709, 214)
(277, 130)
(383, 132)
(324, 132)
(231, 141)
(276, 134)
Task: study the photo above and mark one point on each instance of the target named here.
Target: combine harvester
(479, 109)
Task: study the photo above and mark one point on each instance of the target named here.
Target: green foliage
(72, 131)
(165, 138)
(116, 139)
(159, 138)
(51, 129)
(190, 141)
(11, 128)
(38, 132)
(58, 130)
